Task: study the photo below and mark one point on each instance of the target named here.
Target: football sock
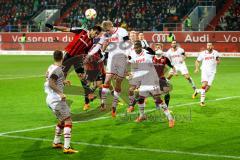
(58, 133)
(115, 99)
(67, 135)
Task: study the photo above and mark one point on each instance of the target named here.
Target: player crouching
(56, 101)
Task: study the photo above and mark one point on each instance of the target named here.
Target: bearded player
(177, 57)
(210, 59)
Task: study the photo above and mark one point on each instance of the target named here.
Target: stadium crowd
(231, 19)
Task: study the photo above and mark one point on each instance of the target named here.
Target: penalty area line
(132, 148)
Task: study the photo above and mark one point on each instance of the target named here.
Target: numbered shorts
(117, 65)
(60, 109)
(207, 77)
(182, 68)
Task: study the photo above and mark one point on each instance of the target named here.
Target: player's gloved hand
(49, 26)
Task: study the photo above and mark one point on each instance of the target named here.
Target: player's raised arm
(59, 28)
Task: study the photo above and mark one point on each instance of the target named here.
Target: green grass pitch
(27, 125)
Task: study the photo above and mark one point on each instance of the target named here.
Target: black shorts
(76, 61)
(165, 85)
(94, 75)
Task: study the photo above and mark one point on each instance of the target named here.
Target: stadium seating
(131, 14)
(231, 19)
(149, 15)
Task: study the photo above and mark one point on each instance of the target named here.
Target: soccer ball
(90, 14)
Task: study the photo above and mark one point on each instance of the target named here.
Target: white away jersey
(144, 68)
(56, 70)
(116, 41)
(209, 62)
(176, 57)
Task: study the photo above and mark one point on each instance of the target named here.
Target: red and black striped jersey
(94, 63)
(80, 44)
(160, 64)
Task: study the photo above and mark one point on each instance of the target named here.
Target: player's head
(140, 36)
(174, 44)
(138, 47)
(58, 56)
(107, 26)
(95, 31)
(209, 47)
(133, 36)
(158, 46)
(159, 53)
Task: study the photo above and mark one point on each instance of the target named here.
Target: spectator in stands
(188, 24)
(170, 37)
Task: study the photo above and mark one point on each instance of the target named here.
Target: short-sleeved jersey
(56, 72)
(209, 60)
(80, 44)
(176, 57)
(160, 65)
(116, 41)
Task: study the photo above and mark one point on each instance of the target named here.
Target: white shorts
(151, 90)
(207, 77)
(182, 68)
(59, 108)
(117, 65)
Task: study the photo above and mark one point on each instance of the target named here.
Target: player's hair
(138, 43)
(97, 28)
(57, 55)
(105, 24)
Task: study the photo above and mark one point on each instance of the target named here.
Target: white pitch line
(21, 77)
(132, 148)
(106, 117)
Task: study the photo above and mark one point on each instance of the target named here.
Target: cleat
(171, 123)
(194, 94)
(141, 118)
(130, 109)
(102, 107)
(57, 145)
(69, 151)
(114, 112)
(86, 107)
(202, 104)
(91, 96)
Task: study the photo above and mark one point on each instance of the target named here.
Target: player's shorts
(134, 80)
(207, 77)
(117, 65)
(76, 61)
(165, 86)
(182, 68)
(149, 90)
(94, 75)
(59, 108)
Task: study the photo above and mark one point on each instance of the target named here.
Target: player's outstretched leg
(190, 80)
(161, 104)
(167, 99)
